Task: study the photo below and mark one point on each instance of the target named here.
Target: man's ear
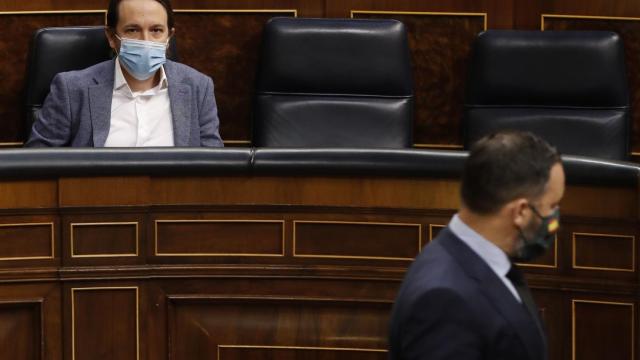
(518, 211)
(111, 38)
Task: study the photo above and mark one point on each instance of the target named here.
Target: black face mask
(542, 238)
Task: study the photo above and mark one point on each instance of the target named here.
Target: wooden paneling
(609, 325)
(104, 239)
(28, 194)
(228, 53)
(343, 240)
(105, 191)
(252, 352)
(439, 76)
(27, 241)
(219, 238)
(629, 30)
(104, 323)
(14, 44)
(604, 252)
(200, 327)
(21, 330)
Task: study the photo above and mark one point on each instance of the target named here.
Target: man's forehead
(136, 11)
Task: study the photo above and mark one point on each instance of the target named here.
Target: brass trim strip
(53, 242)
(73, 315)
(53, 12)
(11, 144)
(431, 226)
(155, 236)
(439, 146)
(544, 266)
(573, 322)
(584, 17)
(295, 222)
(633, 252)
(73, 254)
(231, 11)
(374, 12)
(314, 348)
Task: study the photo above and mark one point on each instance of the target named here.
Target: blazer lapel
(100, 97)
(498, 294)
(180, 98)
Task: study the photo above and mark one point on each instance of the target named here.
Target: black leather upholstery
(53, 162)
(58, 49)
(55, 50)
(569, 87)
(334, 83)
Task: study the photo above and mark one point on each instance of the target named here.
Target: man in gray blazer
(137, 99)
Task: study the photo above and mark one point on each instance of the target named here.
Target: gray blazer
(77, 111)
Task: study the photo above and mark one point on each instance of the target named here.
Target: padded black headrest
(335, 56)
(334, 83)
(569, 87)
(54, 50)
(548, 68)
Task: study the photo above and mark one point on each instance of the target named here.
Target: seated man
(137, 99)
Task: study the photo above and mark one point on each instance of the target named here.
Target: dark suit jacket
(77, 111)
(453, 306)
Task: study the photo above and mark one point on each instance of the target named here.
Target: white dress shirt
(141, 118)
(486, 250)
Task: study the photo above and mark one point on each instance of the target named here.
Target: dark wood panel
(605, 252)
(610, 325)
(104, 323)
(629, 30)
(199, 326)
(103, 191)
(21, 330)
(16, 194)
(340, 240)
(439, 76)
(104, 239)
(228, 53)
(14, 43)
(219, 238)
(27, 241)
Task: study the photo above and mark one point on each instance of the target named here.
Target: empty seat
(569, 87)
(334, 83)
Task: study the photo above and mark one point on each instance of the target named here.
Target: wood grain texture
(440, 48)
(14, 44)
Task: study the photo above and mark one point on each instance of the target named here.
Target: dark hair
(113, 13)
(504, 166)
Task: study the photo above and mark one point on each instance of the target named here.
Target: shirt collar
(120, 81)
(497, 260)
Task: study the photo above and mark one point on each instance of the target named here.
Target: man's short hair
(113, 13)
(504, 166)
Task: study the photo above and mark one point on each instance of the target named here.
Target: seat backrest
(334, 83)
(569, 87)
(58, 49)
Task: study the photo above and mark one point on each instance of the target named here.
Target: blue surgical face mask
(142, 58)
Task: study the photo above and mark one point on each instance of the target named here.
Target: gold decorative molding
(73, 315)
(425, 13)
(156, 253)
(633, 252)
(74, 255)
(431, 227)
(237, 142)
(439, 146)
(310, 348)
(52, 256)
(573, 322)
(294, 12)
(583, 17)
(296, 222)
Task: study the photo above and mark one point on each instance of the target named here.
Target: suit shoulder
(87, 75)
(186, 71)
